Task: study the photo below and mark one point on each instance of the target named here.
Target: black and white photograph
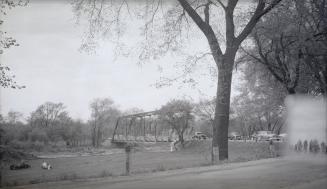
(163, 94)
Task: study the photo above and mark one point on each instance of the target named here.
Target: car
(275, 138)
(264, 135)
(199, 136)
(283, 137)
(234, 136)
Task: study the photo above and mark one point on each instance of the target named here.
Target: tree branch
(258, 13)
(203, 26)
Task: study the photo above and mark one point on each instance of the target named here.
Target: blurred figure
(306, 122)
(299, 146)
(310, 146)
(305, 146)
(271, 148)
(323, 148)
(46, 165)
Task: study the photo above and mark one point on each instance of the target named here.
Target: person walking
(271, 148)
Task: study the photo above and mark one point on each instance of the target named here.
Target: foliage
(260, 104)
(178, 114)
(14, 117)
(48, 125)
(103, 115)
(291, 44)
(6, 42)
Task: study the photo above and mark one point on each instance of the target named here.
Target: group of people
(312, 146)
(46, 165)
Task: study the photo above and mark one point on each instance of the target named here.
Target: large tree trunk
(221, 120)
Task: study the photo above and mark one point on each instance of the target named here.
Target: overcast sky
(49, 64)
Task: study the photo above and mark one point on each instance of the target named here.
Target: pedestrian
(172, 146)
(271, 148)
(305, 146)
(310, 146)
(299, 145)
(323, 147)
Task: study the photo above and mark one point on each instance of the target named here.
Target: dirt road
(288, 172)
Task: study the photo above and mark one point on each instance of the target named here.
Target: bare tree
(205, 110)
(106, 16)
(103, 112)
(14, 117)
(312, 39)
(48, 114)
(292, 45)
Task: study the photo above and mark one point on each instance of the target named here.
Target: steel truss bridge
(140, 127)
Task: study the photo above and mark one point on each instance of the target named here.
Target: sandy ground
(287, 172)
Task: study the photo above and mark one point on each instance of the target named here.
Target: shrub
(160, 168)
(38, 146)
(16, 144)
(38, 135)
(28, 145)
(105, 173)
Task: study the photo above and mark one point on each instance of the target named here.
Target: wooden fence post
(128, 154)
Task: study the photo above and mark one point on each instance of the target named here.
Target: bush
(28, 145)
(105, 173)
(38, 146)
(38, 135)
(18, 144)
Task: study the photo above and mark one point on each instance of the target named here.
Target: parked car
(199, 136)
(234, 136)
(283, 136)
(264, 135)
(275, 138)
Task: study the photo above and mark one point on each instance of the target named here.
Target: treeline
(49, 125)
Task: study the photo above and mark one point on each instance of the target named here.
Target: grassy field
(146, 158)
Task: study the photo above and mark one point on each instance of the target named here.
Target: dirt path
(268, 174)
